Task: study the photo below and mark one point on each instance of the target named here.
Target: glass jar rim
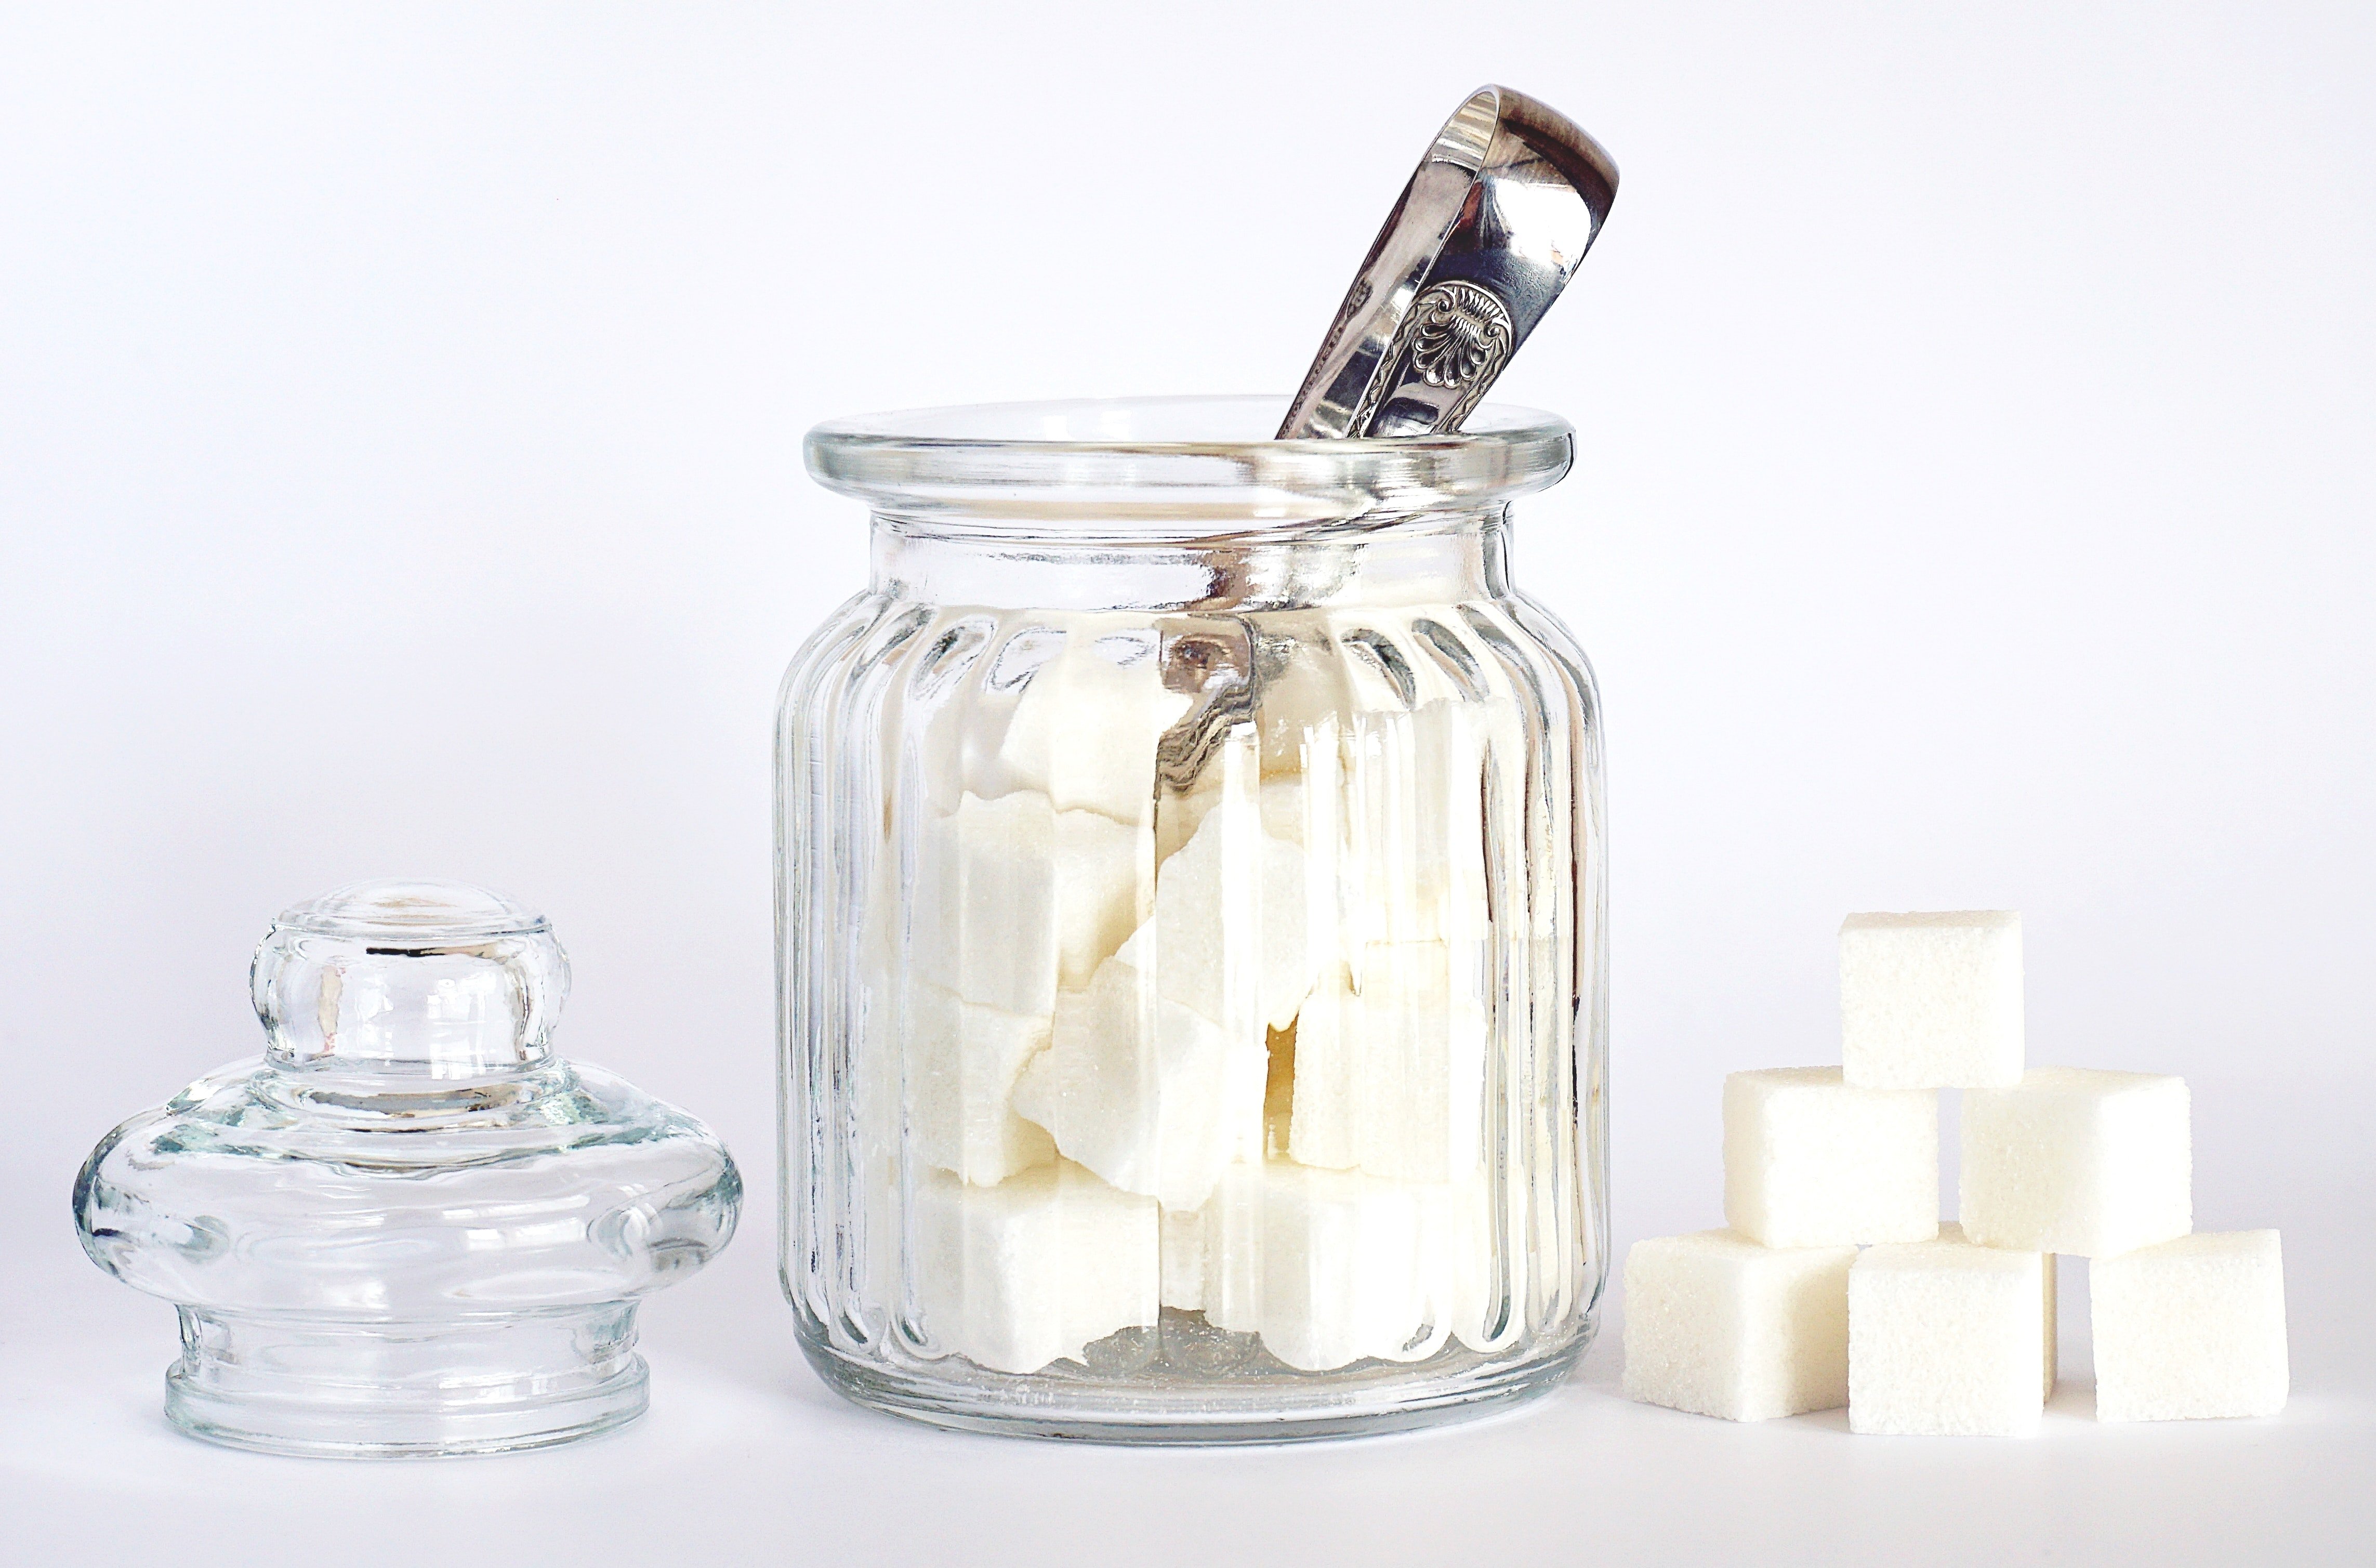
(1158, 467)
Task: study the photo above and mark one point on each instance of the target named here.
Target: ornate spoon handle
(1484, 237)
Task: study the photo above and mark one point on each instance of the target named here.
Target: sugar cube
(1951, 1231)
(943, 736)
(2193, 1328)
(1228, 937)
(2078, 1160)
(1810, 1162)
(1323, 1264)
(1390, 1064)
(1150, 1095)
(1336, 1266)
(1389, 807)
(1301, 703)
(1466, 1290)
(1932, 1001)
(1718, 1325)
(1946, 1338)
(962, 1063)
(1413, 839)
(1308, 811)
(1323, 1121)
(1030, 1271)
(1286, 803)
(1182, 1242)
(1294, 810)
(1087, 720)
(1015, 898)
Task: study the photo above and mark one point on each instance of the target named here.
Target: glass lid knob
(439, 979)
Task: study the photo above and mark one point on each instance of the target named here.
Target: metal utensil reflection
(1488, 232)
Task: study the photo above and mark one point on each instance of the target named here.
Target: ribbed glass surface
(1191, 967)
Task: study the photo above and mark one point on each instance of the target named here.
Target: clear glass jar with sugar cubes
(1190, 931)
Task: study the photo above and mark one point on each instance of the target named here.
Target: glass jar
(1190, 931)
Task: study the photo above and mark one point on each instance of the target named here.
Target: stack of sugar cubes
(1218, 1051)
(1834, 1282)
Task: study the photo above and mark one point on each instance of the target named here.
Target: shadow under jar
(1189, 916)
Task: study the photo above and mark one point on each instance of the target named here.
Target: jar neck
(1422, 558)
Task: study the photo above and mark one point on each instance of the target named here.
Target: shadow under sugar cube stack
(1835, 1283)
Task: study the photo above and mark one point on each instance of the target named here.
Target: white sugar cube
(1028, 1272)
(1946, 1338)
(1284, 804)
(962, 1063)
(1932, 1001)
(1951, 1231)
(2194, 1327)
(2080, 1162)
(1413, 838)
(1150, 1095)
(946, 731)
(1087, 720)
(1390, 1064)
(1325, 1265)
(1810, 1162)
(1014, 898)
(1718, 1325)
(1323, 1121)
(1183, 1256)
(1228, 937)
(1293, 809)
(1464, 1289)
(1389, 807)
(1308, 811)
(1302, 705)
(1311, 809)
(1336, 1266)
(1421, 1107)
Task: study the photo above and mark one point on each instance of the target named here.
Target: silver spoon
(1486, 235)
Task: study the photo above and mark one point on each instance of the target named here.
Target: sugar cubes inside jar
(1235, 1032)
(1191, 956)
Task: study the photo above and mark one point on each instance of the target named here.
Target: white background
(399, 412)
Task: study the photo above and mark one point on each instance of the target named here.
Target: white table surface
(746, 1456)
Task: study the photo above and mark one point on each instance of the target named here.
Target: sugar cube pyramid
(1951, 1328)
